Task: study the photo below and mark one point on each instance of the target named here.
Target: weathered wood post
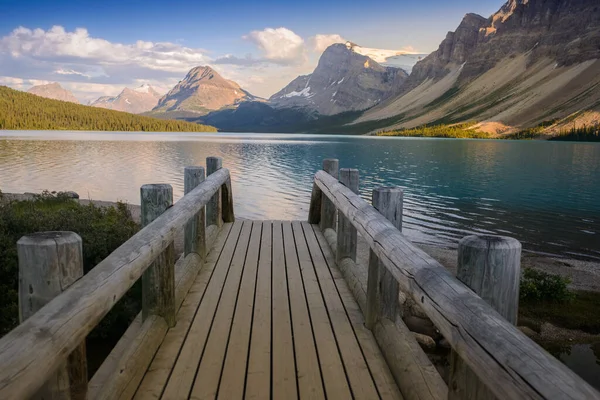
(346, 232)
(328, 210)
(382, 287)
(158, 281)
(50, 262)
(195, 229)
(214, 208)
(491, 267)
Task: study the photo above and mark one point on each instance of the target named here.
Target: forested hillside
(19, 110)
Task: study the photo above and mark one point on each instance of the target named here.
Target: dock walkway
(275, 310)
(269, 316)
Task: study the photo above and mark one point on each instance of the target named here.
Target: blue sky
(93, 60)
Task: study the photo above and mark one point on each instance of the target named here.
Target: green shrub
(465, 130)
(542, 286)
(102, 230)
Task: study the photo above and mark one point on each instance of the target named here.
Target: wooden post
(491, 267)
(227, 201)
(50, 262)
(158, 281)
(195, 229)
(214, 208)
(382, 287)
(328, 210)
(346, 232)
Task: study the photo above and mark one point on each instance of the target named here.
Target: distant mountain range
(53, 91)
(533, 63)
(135, 101)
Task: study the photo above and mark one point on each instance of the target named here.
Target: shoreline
(584, 274)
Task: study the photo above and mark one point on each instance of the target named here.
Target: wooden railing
(33, 356)
(496, 354)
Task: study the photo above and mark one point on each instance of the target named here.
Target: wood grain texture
(157, 374)
(314, 210)
(379, 371)
(258, 381)
(195, 228)
(308, 370)
(346, 232)
(32, 351)
(414, 373)
(491, 267)
(328, 210)
(283, 366)
(382, 288)
(227, 201)
(512, 365)
(332, 369)
(214, 208)
(50, 262)
(158, 281)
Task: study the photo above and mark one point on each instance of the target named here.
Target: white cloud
(279, 45)
(320, 42)
(79, 47)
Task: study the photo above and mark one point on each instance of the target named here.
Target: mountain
(531, 62)
(20, 110)
(201, 91)
(135, 101)
(389, 58)
(343, 81)
(53, 91)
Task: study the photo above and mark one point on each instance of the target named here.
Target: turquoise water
(546, 194)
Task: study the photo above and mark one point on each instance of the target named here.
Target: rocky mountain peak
(53, 91)
(203, 89)
(343, 80)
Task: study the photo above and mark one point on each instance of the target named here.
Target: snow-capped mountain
(344, 80)
(389, 58)
(135, 101)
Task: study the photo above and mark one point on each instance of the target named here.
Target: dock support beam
(491, 267)
(195, 229)
(50, 262)
(158, 281)
(382, 287)
(328, 210)
(346, 232)
(214, 208)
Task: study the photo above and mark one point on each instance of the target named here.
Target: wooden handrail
(31, 352)
(508, 362)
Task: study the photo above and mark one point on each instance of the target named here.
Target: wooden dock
(274, 309)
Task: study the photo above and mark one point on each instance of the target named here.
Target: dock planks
(268, 318)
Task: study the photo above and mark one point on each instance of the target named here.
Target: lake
(545, 194)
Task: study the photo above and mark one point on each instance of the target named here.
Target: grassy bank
(102, 230)
(462, 131)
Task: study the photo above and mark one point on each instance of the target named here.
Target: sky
(96, 48)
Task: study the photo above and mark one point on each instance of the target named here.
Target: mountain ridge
(136, 101)
(53, 91)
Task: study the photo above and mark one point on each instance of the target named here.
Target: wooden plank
(234, 369)
(357, 370)
(283, 366)
(332, 368)
(183, 374)
(208, 375)
(258, 381)
(158, 373)
(308, 370)
(386, 386)
(28, 358)
(511, 364)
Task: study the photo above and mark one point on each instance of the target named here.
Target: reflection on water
(543, 193)
(585, 360)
